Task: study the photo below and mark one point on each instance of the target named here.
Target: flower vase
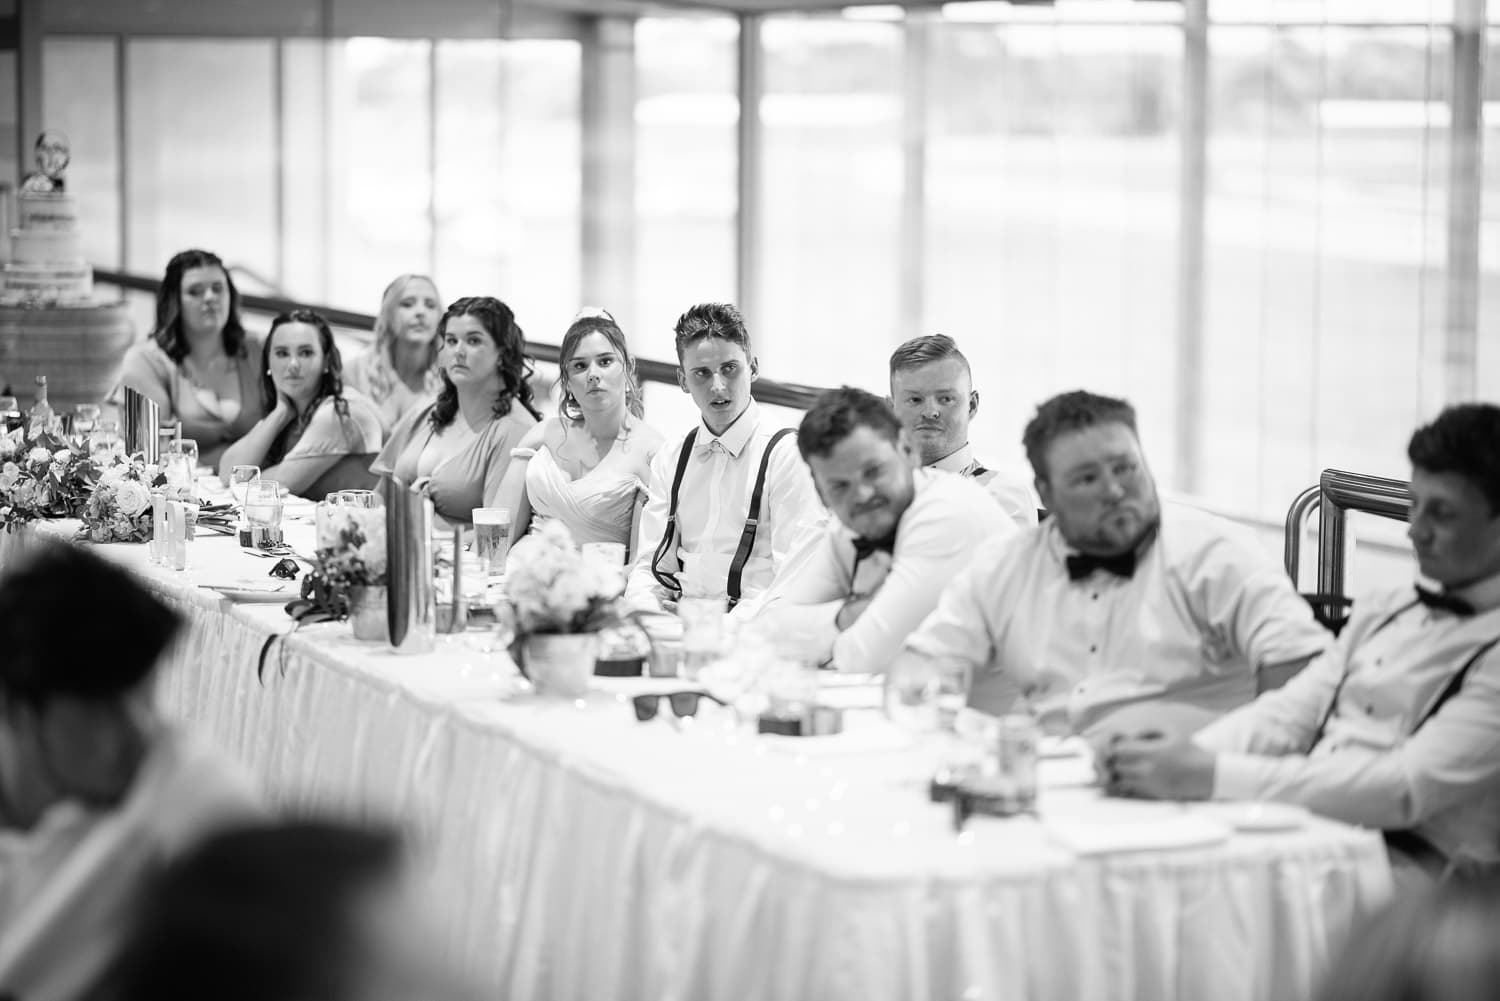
(560, 664)
(367, 612)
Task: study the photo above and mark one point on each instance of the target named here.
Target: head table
(580, 854)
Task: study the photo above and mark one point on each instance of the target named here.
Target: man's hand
(1150, 766)
(851, 610)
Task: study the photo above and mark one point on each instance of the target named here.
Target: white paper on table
(1103, 835)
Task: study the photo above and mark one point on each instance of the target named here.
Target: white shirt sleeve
(1284, 721)
(799, 608)
(1453, 755)
(961, 627)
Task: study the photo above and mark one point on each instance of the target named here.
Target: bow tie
(1080, 565)
(865, 548)
(705, 449)
(1438, 601)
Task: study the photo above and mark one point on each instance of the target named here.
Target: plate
(277, 591)
(1258, 817)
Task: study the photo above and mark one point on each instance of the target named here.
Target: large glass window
(79, 91)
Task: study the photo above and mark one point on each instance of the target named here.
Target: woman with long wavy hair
(199, 364)
(458, 448)
(399, 372)
(316, 437)
(588, 466)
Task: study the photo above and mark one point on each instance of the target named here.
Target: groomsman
(1116, 605)
(854, 591)
(726, 504)
(933, 392)
(95, 789)
(1397, 727)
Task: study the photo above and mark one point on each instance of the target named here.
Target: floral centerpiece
(351, 574)
(118, 508)
(42, 475)
(561, 600)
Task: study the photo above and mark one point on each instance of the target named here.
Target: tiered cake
(47, 266)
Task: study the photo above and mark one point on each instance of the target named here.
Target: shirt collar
(1484, 594)
(956, 461)
(735, 437)
(1061, 549)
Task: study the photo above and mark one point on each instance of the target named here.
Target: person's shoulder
(549, 432)
(649, 437)
(199, 786)
(1196, 542)
(148, 354)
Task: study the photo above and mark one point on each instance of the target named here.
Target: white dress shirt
(1013, 491)
(935, 540)
(1203, 612)
(68, 885)
(712, 506)
(1389, 667)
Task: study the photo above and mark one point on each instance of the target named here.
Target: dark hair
(836, 413)
(257, 913)
(1465, 440)
(1441, 935)
(168, 333)
(711, 319)
(601, 323)
(330, 384)
(515, 368)
(1069, 412)
(924, 350)
(45, 655)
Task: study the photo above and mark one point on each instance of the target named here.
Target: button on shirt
(1012, 491)
(712, 506)
(1204, 611)
(1390, 666)
(935, 540)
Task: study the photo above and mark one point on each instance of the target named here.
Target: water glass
(181, 474)
(954, 675)
(263, 511)
(240, 479)
(105, 440)
(356, 498)
(85, 418)
(702, 633)
(912, 686)
(491, 539)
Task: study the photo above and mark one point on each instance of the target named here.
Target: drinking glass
(181, 473)
(702, 633)
(912, 686)
(105, 440)
(240, 479)
(954, 675)
(263, 511)
(85, 418)
(491, 539)
(357, 498)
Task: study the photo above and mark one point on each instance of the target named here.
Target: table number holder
(411, 605)
(142, 419)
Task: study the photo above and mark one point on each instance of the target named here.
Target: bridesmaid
(199, 365)
(457, 449)
(588, 466)
(399, 372)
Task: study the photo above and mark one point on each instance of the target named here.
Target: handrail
(781, 394)
(1337, 493)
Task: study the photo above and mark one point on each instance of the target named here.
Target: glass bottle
(40, 417)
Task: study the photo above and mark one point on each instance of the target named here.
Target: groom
(728, 502)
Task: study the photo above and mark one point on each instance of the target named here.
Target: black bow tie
(865, 548)
(1080, 565)
(1439, 601)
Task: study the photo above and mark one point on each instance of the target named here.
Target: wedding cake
(46, 259)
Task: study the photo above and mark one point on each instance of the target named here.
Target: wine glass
(85, 418)
(913, 688)
(240, 479)
(104, 441)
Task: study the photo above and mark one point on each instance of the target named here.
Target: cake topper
(52, 155)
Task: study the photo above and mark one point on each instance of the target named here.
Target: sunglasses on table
(683, 703)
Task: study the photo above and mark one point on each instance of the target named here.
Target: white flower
(9, 445)
(132, 498)
(62, 456)
(39, 456)
(9, 474)
(112, 476)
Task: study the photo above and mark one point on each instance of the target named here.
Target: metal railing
(770, 391)
(1337, 493)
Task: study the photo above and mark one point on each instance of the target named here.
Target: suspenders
(669, 580)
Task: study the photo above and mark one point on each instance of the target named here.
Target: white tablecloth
(583, 855)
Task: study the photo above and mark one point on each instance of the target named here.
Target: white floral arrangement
(554, 588)
(42, 476)
(351, 545)
(119, 506)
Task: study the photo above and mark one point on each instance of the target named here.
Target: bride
(588, 466)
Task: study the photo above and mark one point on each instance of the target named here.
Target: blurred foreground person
(1439, 944)
(298, 910)
(1397, 727)
(95, 789)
